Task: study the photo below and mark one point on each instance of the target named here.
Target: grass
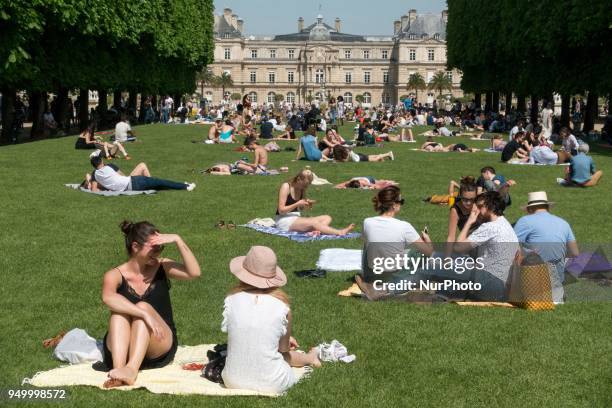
(57, 243)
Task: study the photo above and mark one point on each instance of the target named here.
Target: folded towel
(339, 260)
(535, 164)
(109, 193)
(299, 236)
(171, 379)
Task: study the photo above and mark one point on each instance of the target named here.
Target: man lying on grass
(109, 177)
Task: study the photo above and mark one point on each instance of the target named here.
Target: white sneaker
(391, 156)
(191, 186)
(561, 181)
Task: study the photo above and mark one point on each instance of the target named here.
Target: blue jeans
(142, 183)
(165, 115)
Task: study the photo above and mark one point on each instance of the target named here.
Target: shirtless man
(260, 163)
(213, 132)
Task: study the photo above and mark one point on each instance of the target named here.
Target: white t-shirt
(445, 132)
(254, 325)
(497, 245)
(385, 237)
(168, 102)
(513, 132)
(546, 116)
(121, 131)
(108, 178)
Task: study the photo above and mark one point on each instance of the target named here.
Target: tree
(359, 98)
(416, 82)
(278, 98)
(224, 81)
(440, 82)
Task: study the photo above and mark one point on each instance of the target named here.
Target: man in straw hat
(551, 237)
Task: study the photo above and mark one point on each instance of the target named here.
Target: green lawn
(57, 243)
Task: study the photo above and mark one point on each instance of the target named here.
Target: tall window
(347, 54)
(291, 54)
(384, 54)
(253, 77)
(348, 97)
(430, 54)
(429, 76)
(271, 96)
(253, 96)
(290, 97)
(367, 97)
(209, 96)
(449, 75)
(273, 54)
(386, 77)
(386, 98)
(271, 77)
(366, 77)
(319, 96)
(319, 76)
(366, 54)
(227, 53)
(412, 54)
(253, 54)
(290, 76)
(348, 77)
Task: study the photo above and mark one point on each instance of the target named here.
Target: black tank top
(290, 201)
(157, 295)
(462, 220)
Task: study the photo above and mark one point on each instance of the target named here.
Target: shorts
(363, 157)
(284, 221)
(147, 363)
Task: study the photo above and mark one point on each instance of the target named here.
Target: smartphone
(426, 230)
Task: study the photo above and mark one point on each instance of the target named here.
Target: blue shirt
(311, 151)
(546, 234)
(581, 168)
(408, 103)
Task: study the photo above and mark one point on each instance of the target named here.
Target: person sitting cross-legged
(581, 171)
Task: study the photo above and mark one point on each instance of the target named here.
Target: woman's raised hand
(162, 239)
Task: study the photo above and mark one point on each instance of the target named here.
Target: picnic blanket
(536, 164)
(171, 379)
(299, 236)
(109, 193)
(339, 260)
(489, 150)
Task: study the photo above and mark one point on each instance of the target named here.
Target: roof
(425, 24)
(225, 30)
(319, 31)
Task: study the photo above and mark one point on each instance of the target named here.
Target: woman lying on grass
(141, 333)
(431, 146)
(366, 182)
(292, 199)
(257, 319)
(344, 154)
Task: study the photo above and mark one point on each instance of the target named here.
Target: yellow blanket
(171, 379)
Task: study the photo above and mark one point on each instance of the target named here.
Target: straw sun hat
(258, 268)
(537, 198)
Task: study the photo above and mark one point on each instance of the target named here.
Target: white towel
(339, 260)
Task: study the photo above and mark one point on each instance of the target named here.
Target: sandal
(231, 225)
(220, 224)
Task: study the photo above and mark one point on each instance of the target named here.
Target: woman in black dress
(141, 332)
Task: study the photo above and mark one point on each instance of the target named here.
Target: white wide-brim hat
(537, 198)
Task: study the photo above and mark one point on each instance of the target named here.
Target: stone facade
(319, 61)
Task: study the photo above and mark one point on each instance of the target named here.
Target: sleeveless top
(157, 295)
(290, 201)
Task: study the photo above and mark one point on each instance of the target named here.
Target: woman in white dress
(547, 116)
(257, 319)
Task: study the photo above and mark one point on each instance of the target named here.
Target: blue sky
(373, 17)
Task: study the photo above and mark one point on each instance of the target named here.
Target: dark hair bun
(126, 226)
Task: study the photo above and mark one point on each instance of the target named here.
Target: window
(366, 77)
(386, 77)
(436, 36)
(226, 95)
(290, 97)
(209, 96)
(430, 54)
(348, 97)
(253, 96)
(348, 77)
(367, 97)
(253, 77)
(319, 97)
(271, 96)
(291, 54)
(273, 54)
(412, 54)
(412, 36)
(347, 54)
(227, 35)
(319, 76)
(227, 53)
(290, 76)
(386, 98)
(429, 77)
(366, 54)
(271, 77)
(424, 36)
(384, 54)
(253, 54)
(449, 75)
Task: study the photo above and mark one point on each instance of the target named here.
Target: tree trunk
(8, 114)
(478, 100)
(141, 112)
(38, 101)
(102, 101)
(496, 101)
(83, 113)
(534, 109)
(521, 104)
(154, 103)
(565, 110)
(591, 112)
(62, 108)
(489, 101)
(117, 99)
(132, 104)
(508, 102)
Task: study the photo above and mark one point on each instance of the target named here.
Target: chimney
(300, 24)
(445, 16)
(404, 22)
(412, 15)
(397, 26)
(338, 23)
(240, 25)
(235, 21)
(227, 15)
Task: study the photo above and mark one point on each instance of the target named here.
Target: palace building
(319, 61)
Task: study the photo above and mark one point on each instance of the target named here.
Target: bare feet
(313, 355)
(347, 229)
(125, 374)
